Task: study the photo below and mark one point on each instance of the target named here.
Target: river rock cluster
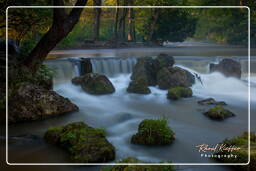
(159, 71)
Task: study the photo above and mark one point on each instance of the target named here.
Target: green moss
(153, 132)
(137, 167)
(218, 113)
(85, 144)
(242, 154)
(139, 86)
(179, 92)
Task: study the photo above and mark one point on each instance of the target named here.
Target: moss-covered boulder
(174, 77)
(84, 143)
(137, 167)
(179, 92)
(145, 67)
(164, 60)
(138, 86)
(153, 132)
(211, 101)
(29, 102)
(218, 113)
(94, 83)
(242, 153)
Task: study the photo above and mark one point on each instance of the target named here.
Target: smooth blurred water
(121, 112)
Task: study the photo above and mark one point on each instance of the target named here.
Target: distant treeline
(153, 25)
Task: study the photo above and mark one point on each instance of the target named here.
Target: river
(121, 112)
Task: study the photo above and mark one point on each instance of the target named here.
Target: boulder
(145, 68)
(211, 101)
(84, 143)
(137, 167)
(174, 77)
(138, 86)
(179, 92)
(218, 113)
(240, 142)
(29, 102)
(228, 67)
(164, 60)
(94, 83)
(153, 132)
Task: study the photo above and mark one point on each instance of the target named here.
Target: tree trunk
(153, 25)
(97, 13)
(131, 25)
(116, 20)
(63, 23)
(122, 22)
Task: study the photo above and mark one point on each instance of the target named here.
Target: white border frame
(91, 164)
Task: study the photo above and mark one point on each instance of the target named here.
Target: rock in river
(211, 101)
(94, 83)
(84, 143)
(179, 92)
(138, 86)
(228, 67)
(153, 132)
(174, 77)
(145, 68)
(218, 113)
(31, 102)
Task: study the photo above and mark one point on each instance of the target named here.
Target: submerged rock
(211, 101)
(137, 167)
(218, 113)
(228, 67)
(94, 83)
(242, 153)
(153, 132)
(179, 92)
(31, 102)
(145, 68)
(174, 77)
(84, 143)
(138, 86)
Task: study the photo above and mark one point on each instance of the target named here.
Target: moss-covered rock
(138, 86)
(164, 60)
(137, 167)
(29, 102)
(174, 77)
(145, 68)
(179, 92)
(242, 154)
(84, 143)
(218, 113)
(94, 83)
(153, 132)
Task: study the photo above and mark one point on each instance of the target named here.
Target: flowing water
(121, 112)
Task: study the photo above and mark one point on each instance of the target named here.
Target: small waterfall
(112, 66)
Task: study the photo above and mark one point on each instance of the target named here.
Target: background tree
(62, 24)
(97, 14)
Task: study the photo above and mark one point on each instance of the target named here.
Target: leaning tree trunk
(63, 23)
(97, 13)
